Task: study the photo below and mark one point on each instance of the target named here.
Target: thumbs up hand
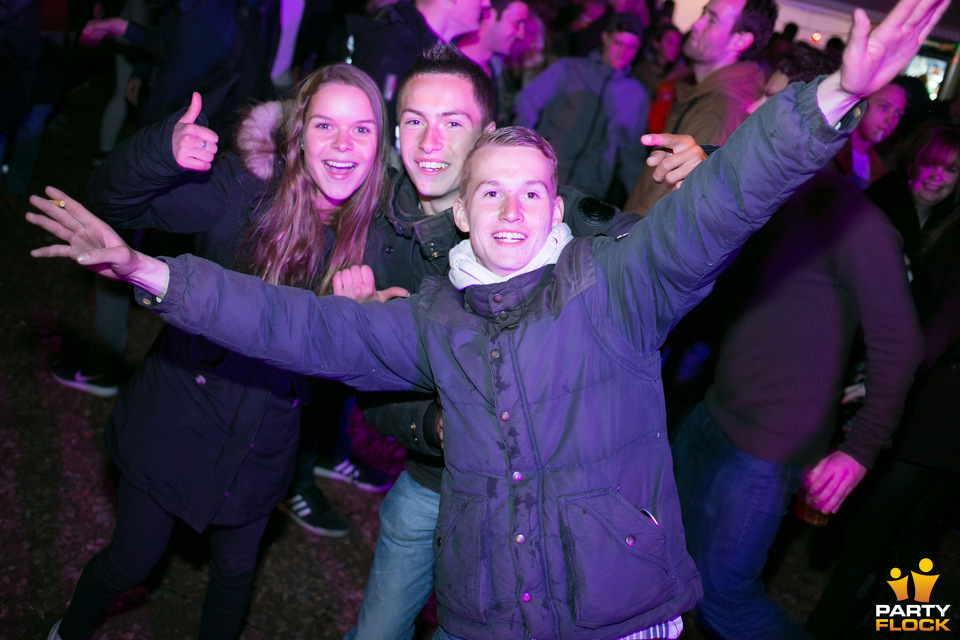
(194, 146)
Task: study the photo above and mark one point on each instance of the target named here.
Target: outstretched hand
(357, 283)
(92, 243)
(872, 59)
(194, 146)
(676, 158)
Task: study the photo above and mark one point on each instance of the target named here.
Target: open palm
(873, 58)
(88, 239)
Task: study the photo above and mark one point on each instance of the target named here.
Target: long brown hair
(287, 244)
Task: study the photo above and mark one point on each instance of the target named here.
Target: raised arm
(872, 59)
(692, 234)
(164, 177)
(372, 347)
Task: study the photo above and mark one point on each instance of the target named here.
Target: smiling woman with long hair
(199, 433)
(922, 195)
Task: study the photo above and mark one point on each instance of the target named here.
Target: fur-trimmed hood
(257, 139)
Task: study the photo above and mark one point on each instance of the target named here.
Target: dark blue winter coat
(207, 433)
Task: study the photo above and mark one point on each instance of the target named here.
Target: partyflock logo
(920, 616)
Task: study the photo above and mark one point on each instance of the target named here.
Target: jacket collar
(546, 290)
(435, 235)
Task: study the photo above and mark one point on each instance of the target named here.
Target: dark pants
(323, 430)
(139, 540)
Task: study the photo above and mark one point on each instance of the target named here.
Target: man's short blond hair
(510, 137)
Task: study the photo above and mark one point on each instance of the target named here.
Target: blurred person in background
(502, 26)
(858, 159)
(719, 48)
(593, 113)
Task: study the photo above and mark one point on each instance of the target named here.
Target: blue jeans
(732, 505)
(401, 578)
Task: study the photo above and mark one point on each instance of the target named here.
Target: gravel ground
(57, 492)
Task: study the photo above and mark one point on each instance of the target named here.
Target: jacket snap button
(630, 540)
(494, 354)
(525, 597)
(505, 416)
(497, 297)
(517, 476)
(503, 316)
(519, 539)
(200, 380)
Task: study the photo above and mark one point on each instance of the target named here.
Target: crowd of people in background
(322, 144)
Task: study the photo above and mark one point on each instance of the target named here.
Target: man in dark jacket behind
(535, 341)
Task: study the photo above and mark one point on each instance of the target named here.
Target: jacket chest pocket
(603, 536)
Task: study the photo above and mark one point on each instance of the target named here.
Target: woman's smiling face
(932, 182)
(339, 142)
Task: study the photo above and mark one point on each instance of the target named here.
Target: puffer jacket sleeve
(669, 261)
(371, 347)
(140, 185)
(410, 419)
